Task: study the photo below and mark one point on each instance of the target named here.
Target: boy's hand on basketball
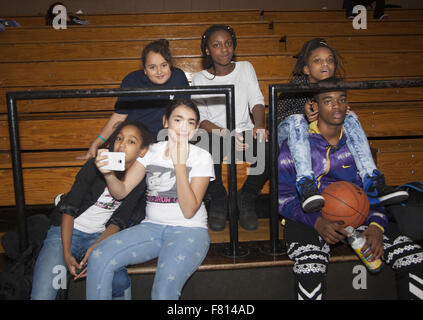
(331, 231)
(311, 114)
(374, 243)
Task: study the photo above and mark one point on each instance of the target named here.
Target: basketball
(347, 202)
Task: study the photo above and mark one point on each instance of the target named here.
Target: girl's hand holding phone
(100, 162)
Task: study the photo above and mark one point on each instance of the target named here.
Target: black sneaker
(379, 193)
(75, 20)
(382, 17)
(218, 213)
(310, 197)
(247, 210)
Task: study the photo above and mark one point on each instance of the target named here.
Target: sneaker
(382, 17)
(218, 213)
(381, 194)
(57, 199)
(78, 21)
(247, 210)
(310, 197)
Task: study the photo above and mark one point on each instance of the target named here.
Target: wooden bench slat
(322, 29)
(126, 49)
(384, 120)
(40, 185)
(138, 32)
(397, 145)
(44, 159)
(153, 17)
(401, 167)
(113, 71)
(334, 14)
(55, 134)
(362, 65)
(362, 43)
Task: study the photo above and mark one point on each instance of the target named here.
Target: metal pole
(275, 248)
(17, 172)
(12, 97)
(232, 186)
(234, 249)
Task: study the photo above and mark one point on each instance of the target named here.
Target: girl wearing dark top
(158, 71)
(87, 215)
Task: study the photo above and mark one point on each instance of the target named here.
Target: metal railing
(12, 98)
(233, 249)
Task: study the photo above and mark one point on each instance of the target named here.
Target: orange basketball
(347, 202)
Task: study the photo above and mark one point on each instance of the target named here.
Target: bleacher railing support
(274, 90)
(233, 249)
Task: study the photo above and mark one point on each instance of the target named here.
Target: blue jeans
(50, 270)
(180, 251)
(295, 129)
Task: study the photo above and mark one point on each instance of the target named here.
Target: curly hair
(308, 47)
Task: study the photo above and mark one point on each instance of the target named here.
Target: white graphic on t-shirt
(161, 182)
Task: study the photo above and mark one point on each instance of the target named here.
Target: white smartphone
(116, 161)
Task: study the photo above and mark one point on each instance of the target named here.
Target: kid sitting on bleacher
(218, 45)
(308, 236)
(158, 72)
(88, 214)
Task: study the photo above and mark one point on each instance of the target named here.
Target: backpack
(16, 279)
(409, 214)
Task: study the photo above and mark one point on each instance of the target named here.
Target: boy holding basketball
(308, 235)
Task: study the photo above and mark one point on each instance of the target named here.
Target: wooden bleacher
(54, 132)
(100, 55)
(333, 14)
(221, 15)
(154, 17)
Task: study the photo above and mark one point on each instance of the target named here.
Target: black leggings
(311, 253)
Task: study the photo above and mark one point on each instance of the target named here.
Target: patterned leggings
(311, 253)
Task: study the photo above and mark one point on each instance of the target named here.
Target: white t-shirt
(162, 200)
(94, 219)
(247, 95)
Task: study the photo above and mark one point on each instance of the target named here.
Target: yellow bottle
(357, 241)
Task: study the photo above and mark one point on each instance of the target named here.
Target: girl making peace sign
(175, 227)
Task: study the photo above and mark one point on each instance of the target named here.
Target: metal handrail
(13, 97)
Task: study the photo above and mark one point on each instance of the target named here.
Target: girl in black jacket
(88, 214)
